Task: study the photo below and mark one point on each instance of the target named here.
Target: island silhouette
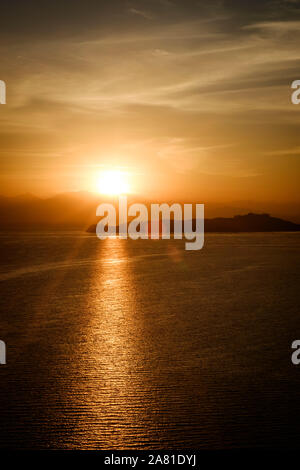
(77, 211)
(239, 223)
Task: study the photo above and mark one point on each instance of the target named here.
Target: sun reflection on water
(113, 392)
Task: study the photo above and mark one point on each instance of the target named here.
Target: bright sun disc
(113, 182)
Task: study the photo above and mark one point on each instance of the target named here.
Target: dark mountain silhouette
(239, 223)
(72, 210)
(78, 210)
(250, 223)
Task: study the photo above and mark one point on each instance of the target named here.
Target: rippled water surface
(121, 344)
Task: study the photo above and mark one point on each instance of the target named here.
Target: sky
(190, 99)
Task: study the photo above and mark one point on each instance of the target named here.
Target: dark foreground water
(141, 345)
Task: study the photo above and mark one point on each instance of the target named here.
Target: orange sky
(191, 101)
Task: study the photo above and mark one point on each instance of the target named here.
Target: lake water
(122, 344)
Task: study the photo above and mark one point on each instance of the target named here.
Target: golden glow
(113, 183)
(192, 120)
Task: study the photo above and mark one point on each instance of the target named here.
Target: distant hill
(250, 223)
(240, 223)
(67, 210)
(77, 210)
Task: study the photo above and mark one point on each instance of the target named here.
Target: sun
(113, 183)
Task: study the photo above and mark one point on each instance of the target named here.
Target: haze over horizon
(78, 208)
(191, 101)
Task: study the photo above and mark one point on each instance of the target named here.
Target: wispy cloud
(143, 14)
(192, 93)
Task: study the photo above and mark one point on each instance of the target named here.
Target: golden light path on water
(129, 384)
(122, 344)
(114, 392)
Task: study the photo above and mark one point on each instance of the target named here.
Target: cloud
(172, 88)
(143, 14)
(282, 152)
(277, 26)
